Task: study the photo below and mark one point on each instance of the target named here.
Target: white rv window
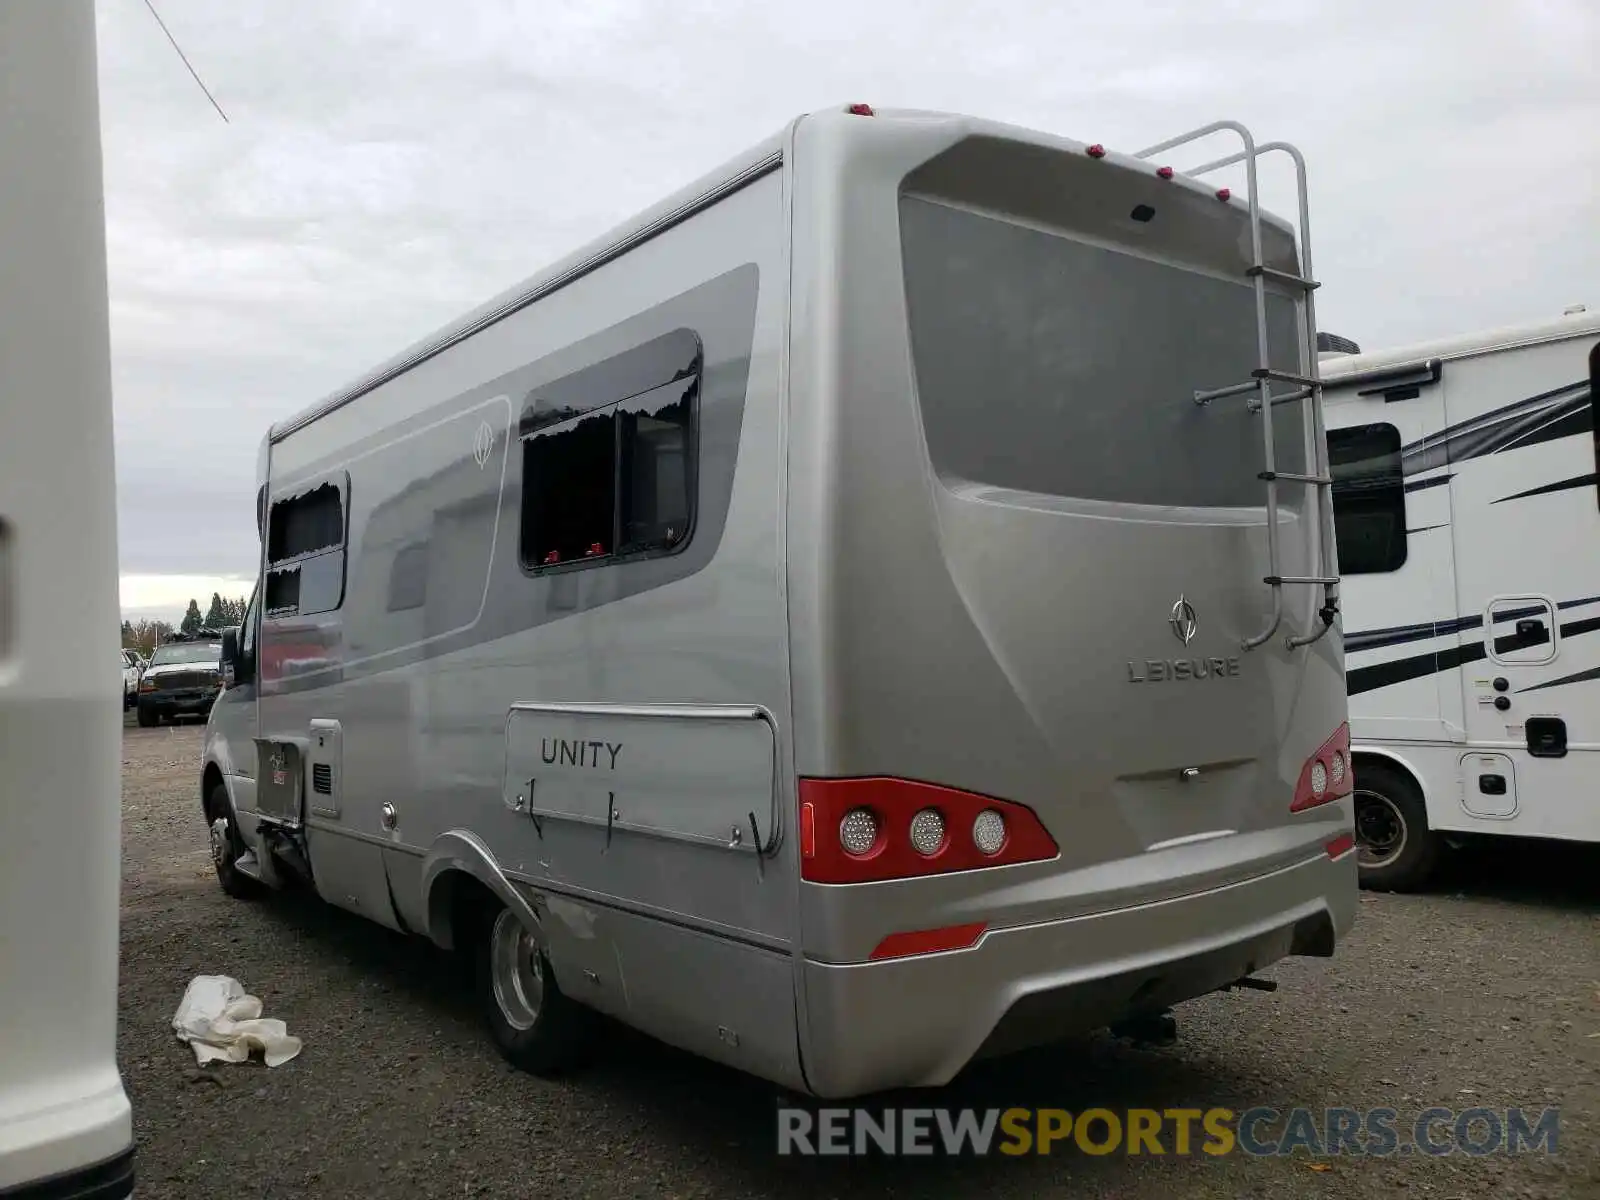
(1369, 498)
(607, 476)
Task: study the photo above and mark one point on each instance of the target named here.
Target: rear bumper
(109, 1180)
(67, 1139)
(916, 1022)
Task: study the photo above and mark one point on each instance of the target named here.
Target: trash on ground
(220, 1021)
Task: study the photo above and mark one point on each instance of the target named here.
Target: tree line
(144, 635)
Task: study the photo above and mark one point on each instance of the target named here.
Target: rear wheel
(1395, 849)
(534, 1025)
(147, 718)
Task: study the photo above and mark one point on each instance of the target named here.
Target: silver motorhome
(835, 624)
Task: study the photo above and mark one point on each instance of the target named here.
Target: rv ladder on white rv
(1306, 380)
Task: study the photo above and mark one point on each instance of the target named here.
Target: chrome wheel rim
(517, 970)
(219, 841)
(1381, 833)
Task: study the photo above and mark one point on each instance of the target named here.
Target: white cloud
(389, 163)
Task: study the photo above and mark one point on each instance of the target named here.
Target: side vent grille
(322, 778)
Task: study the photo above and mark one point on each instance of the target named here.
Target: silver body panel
(615, 749)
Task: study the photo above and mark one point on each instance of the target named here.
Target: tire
(535, 1026)
(147, 719)
(1395, 849)
(227, 845)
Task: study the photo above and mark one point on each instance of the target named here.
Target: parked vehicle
(132, 667)
(824, 591)
(66, 1129)
(1465, 495)
(183, 678)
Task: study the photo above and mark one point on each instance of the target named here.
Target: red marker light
(1097, 151)
(1164, 172)
(861, 110)
(1223, 194)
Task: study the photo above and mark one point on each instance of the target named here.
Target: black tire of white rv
(536, 1027)
(1396, 851)
(226, 849)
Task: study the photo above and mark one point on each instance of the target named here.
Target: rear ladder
(1306, 380)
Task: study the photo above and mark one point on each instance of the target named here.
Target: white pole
(66, 1113)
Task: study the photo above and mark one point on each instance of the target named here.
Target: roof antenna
(186, 62)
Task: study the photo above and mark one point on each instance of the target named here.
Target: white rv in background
(1468, 517)
(66, 1128)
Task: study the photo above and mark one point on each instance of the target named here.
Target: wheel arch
(458, 867)
(211, 777)
(1394, 760)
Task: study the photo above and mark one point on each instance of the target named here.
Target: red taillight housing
(1326, 775)
(860, 110)
(878, 828)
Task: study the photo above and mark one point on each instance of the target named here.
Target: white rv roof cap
(1577, 321)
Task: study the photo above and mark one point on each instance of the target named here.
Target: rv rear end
(1047, 779)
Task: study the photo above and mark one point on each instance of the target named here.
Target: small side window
(408, 578)
(247, 626)
(305, 553)
(1369, 498)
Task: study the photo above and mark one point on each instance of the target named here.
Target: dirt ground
(1484, 994)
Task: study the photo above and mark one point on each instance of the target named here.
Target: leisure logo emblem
(1183, 621)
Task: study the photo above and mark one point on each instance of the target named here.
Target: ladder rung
(1293, 477)
(1284, 277)
(1237, 389)
(1304, 381)
(1279, 580)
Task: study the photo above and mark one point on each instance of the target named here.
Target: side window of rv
(608, 476)
(1369, 498)
(408, 578)
(305, 553)
(247, 624)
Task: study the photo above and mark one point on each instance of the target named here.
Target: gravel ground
(1480, 995)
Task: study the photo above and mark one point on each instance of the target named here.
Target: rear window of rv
(1050, 365)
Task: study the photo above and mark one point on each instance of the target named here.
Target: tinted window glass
(1369, 498)
(1057, 366)
(607, 475)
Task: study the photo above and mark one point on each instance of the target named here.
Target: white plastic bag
(220, 1021)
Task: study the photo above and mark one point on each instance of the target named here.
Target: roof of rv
(758, 160)
(765, 156)
(1572, 324)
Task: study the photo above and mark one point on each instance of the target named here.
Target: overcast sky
(389, 163)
